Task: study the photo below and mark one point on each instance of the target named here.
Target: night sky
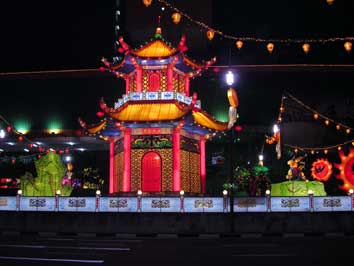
(42, 35)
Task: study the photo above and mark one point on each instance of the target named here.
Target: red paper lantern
(238, 128)
(31, 145)
(20, 138)
(9, 129)
(40, 148)
(67, 151)
(100, 114)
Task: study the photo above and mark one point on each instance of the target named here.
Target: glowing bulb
(310, 192)
(229, 78)
(98, 192)
(338, 127)
(2, 134)
(327, 122)
(347, 131)
(224, 192)
(181, 192)
(275, 129)
(19, 192)
(267, 192)
(140, 192)
(58, 192)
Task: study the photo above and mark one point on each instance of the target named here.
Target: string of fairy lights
(240, 41)
(317, 116)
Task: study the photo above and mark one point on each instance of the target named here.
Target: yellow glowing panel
(150, 112)
(206, 121)
(155, 49)
(96, 128)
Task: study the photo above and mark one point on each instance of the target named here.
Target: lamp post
(98, 195)
(224, 192)
(18, 199)
(310, 194)
(230, 81)
(181, 200)
(57, 195)
(350, 193)
(139, 193)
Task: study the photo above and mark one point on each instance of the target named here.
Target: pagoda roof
(136, 109)
(155, 49)
(156, 52)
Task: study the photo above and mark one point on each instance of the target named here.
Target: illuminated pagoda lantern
(156, 130)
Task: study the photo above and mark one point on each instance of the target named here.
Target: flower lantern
(176, 17)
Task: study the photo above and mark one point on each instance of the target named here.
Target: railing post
(139, 200)
(57, 196)
(268, 200)
(98, 196)
(18, 199)
(224, 200)
(181, 201)
(310, 194)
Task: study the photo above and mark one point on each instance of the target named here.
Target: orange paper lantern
(270, 47)
(239, 44)
(306, 47)
(176, 17)
(210, 34)
(348, 46)
(147, 2)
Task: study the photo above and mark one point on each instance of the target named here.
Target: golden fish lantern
(306, 47)
(348, 46)
(239, 44)
(147, 2)
(176, 17)
(210, 34)
(270, 47)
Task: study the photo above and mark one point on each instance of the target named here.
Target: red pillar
(127, 85)
(186, 85)
(176, 160)
(202, 165)
(126, 171)
(139, 79)
(112, 187)
(169, 78)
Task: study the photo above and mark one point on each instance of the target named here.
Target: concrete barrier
(178, 223)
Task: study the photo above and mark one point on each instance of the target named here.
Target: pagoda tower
(157, 130)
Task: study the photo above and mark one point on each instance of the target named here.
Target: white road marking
(55, 260)
(264, 255)
(67, 247)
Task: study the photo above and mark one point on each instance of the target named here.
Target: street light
(230, 78)
(230, 81)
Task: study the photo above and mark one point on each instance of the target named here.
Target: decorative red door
(151, 172)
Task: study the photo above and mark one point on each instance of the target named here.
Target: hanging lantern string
(315, 112)
(320, 148)
(249, 38)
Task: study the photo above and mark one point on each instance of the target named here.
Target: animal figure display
(296, 171)
(50, 173)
